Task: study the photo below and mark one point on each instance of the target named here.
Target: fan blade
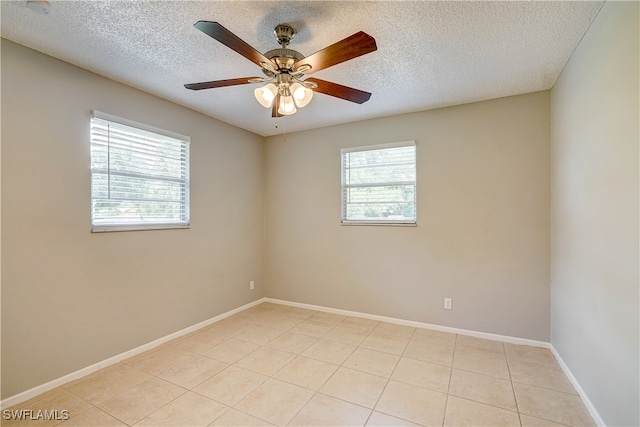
(353, 46)
(219, 83)
(343, 92)
(227, 38)
(274, 106)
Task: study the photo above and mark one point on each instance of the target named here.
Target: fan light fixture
(291, 96)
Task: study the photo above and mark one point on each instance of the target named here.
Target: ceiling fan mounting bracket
(284, 33)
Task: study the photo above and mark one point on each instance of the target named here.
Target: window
(379, 184)
(139, 176)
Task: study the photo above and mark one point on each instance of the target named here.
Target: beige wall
(595, 137)
(71, 298)
(483, 220)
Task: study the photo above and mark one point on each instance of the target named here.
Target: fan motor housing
(284, 58)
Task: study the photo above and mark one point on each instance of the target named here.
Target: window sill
(137, 227)
(393, 224)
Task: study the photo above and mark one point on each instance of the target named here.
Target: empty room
(395, 213)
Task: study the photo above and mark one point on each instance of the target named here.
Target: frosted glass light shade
(266, 94)
(287, 107)
(301, 95)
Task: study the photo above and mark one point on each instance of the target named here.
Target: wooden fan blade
(274, 107)
(339, 91)
(219, 83)
(227, 38)
(353, 46)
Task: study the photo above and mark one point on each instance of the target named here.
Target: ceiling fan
(284, 68)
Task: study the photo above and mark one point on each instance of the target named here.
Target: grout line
(513, 390)
(446, 402)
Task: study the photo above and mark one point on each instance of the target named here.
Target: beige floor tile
(191, 373)
(463, 413)
(355, 387)
(136, 403)
(345, 335)
(378, 419)
(330, 318)
(423, 374)
(392, 329)
(266, 361)
(275, 401)
(434, 337)
(231, 385)
(231, 351)
(329, 351)
(433, 352)
(258, 334)
(473, 343)
(546, 376)
(483, 388)
(386, 343)
(160, 359)
(530, 354)
(359, 323)
(200, 342)
(300, 313)
(302, 351)
(234, 417)
(563, 408)
(59, 399)
(107, 382)
(372, 361)
(328, 411)
(92, 417)
(190, 409)
(306, 372)
(292, 342)
(528, 421)
(312, 328)
(253, 317)
(282, 321)
(54, 402)
(262, 317)
(481, 361)
(412, 403)
(229, 327)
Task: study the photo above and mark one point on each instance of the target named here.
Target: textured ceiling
(430, 54)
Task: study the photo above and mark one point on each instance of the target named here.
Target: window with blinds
(139, 176)
(379, 184)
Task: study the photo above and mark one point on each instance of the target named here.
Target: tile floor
(278, 365)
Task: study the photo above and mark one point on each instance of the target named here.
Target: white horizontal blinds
(139, 178)
(379, 185)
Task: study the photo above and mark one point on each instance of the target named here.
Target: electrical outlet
(447, 303)
(252, 285)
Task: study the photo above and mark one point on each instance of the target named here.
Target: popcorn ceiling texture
(430, 54)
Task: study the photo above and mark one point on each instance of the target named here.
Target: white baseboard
(485, 335)
(28, 394)
(574, 381)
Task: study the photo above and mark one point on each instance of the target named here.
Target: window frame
(185, 223)
(378, 222)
